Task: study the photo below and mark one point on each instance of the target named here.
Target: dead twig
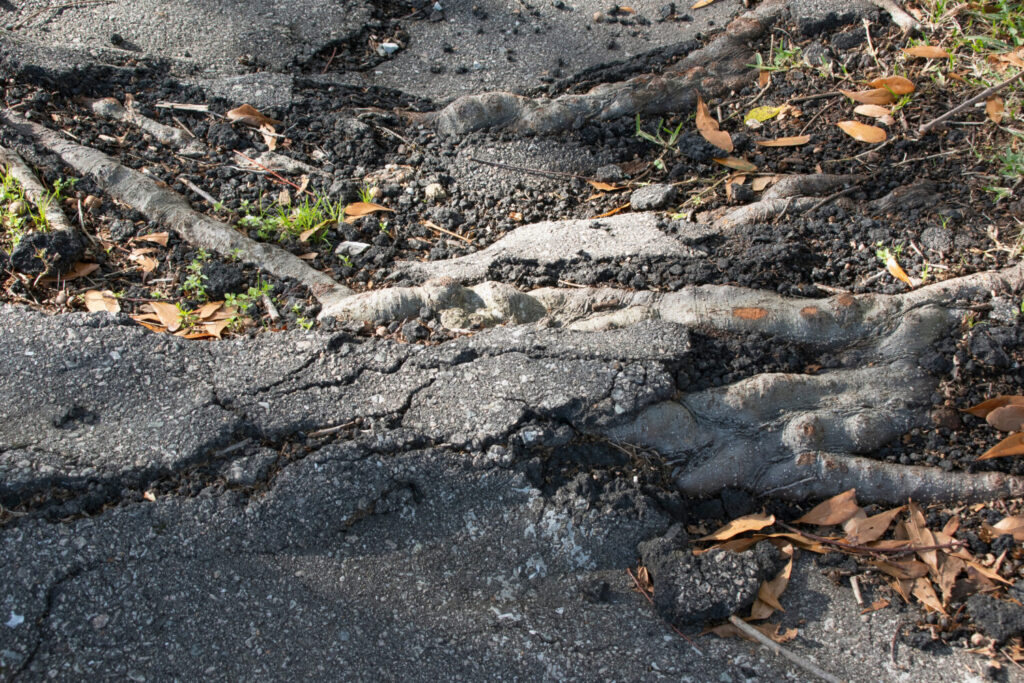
(437, 228)
(927, 127)
(808, 666)
(832, 197)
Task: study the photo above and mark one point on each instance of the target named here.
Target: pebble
(652, 197)
(434, 192)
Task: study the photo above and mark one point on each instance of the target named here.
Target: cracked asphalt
(319, 506)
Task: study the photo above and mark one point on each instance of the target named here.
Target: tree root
(792, 194)
(34, 190)
(170, 209)
(719, 67)
(180, 140)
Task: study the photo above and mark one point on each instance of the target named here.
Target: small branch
(804, 664)
(437, 228)
(969, 103)
(855, 585)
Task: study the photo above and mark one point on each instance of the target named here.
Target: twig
(969, 103)
(818, 96)
(892, 645)
(804, 664)
(788, 486)
(856, 591)
(678, 632)
(815, 117)
(438, 228)
(330, 59)
(199, 191)
(327, 431)
(275, 174)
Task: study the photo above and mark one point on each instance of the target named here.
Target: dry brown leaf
(308, 256)
(1011, 445)
(798, 540)
(1013, 525)
(863, 132)
(994, 108)
(897, 84)
(269, 136)
(148, 325)
(701, 3)
(924, 592)
(835, 510)
(736, 545)
(1007, 419)
(764, 79)
(360, 209)
(250, 116)
(951, 569)
(606, 214)
(169, 315)
(768, 594)
(206, 311)
(952, 524)
(737, 164)
(868, 529)
(901, 569)
(985, 407)
(306, 234)
(154, 237)
(605, 187)
(707, 126)
(754, 522)
(80, 269)
(792, 141)
(875, 96)
(896, 270)
(761, 182)
(920, 535)
(96, 301)
(1001, 62)
(925, 51)
(643, 579)
(873, 110)
(902, 587)
(875, 606)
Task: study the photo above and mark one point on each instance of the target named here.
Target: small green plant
(367, 194)
(293, 221)
(999, 193)
(901, 102)
(186, 318)
(884, 253)
(195, 283)
(345, 259)
(235, 254)
(244, 302)
(304, 323)
(780, 58)
(665, 137)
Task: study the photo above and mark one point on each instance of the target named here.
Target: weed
(290, 221)
(244, 302)
(665, 137)
(195, 283)
(367, 194)
(304, 323)
(186, 319)
(345, 259)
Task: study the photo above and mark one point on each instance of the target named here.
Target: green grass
(274, 221)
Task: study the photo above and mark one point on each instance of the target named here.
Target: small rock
(18, 207)
(351, 248)
(414, 330)
(434, 192)
(387, 49)
(598, 17)
(609, 174)
(652, 197)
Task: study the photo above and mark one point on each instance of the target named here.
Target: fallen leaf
(920, 535)
(868, 529)
(994, 108)
(1013, 525)
(1007, 418)
(250, 116)
(150, 496)
(835, 510)
(269, 136)
(875, 606)
(606, 214)
(148, 325)
(707, 126)
(754, 522)
(309, 256)
(643, 579)
(863, 132)
(873, 110)
(761, 182)
(306, 234)
(80, 269)
(96, 301)
(758, 115)
(951, 569)
(901, 569)
(924, 592)
(792, 141)
(798, 540)
(764, 78)
(985, 407)
(768, 594)
(154, 237)
(701, 3)
(896, 270)
(169, 315)
(605, 187)
(1011, 445)
(902, 586)
(207, 310)
(875, 96)
(925, 51)
(360, 209)
(737, 164)
(897, 84)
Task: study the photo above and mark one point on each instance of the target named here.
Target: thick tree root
(792, 194)
(170, 209)
(34, 191)
(721, 66)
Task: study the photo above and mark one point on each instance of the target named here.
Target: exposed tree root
(721, 66)
(34, 190)
(180, 140)
(793, 194)
(170, 209)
